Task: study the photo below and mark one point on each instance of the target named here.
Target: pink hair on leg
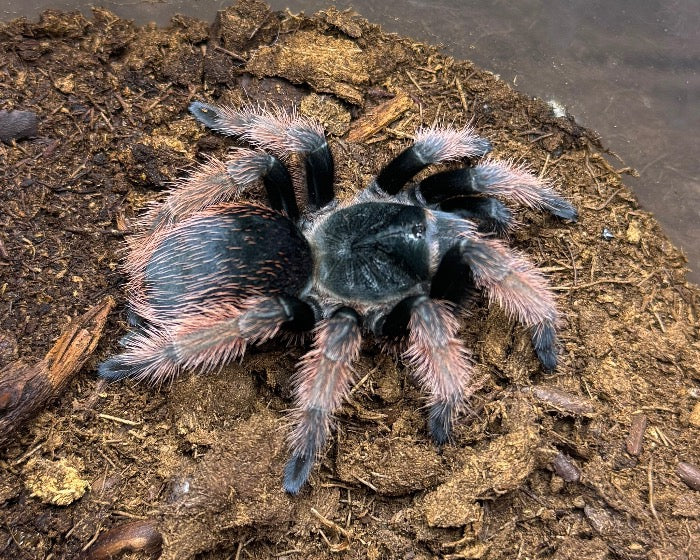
(445, 144)
(502, 178)
(519, 288)
(321, 384)
(204, 341)
(441, 363)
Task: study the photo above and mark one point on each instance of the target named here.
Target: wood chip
(562, 401)
(26, 388)
(636, 435)
(135, 536)
(690, 474)
(380, 117)
(565, 468)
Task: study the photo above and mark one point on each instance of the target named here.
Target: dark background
(627, 69)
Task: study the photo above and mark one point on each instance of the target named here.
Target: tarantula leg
(280, 189)
(497, 178)
(321, 384)
(492, 215)
(432, 145)
(520, 289)
(440, 361)
(216, 181)
(281, 133)
(395, 323)
(453, 280)
(203, 341)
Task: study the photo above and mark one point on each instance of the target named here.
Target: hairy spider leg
(215, 181)
(453, 280)
(440, 361)
(492, 215)
(521, 290)
(497, 178)
(432, 145)
(321, 384)
(282, 133)
(204, 341)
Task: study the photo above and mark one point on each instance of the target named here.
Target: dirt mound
(580, 463)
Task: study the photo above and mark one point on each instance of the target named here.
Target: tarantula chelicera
(209, 275)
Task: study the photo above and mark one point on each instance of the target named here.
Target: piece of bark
(380, 117)
(562, 400)
(635, 438)
(26, 388)
(689, 473)
(566, 468)
(327, 64)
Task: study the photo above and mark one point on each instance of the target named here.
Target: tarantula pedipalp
(207, 275)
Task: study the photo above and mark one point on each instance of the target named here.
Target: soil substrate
(540, 467)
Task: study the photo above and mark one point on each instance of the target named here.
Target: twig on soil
(607, 201)
(462, 97)
(117, 419)
(28, 454)
(650, 479)
(594, 283)
(573, 261)
(340, 531)
(25, 388)
(232, 54)
(658, 319)
(166, 93)
(366, 483)
(413, 81)
(380, 117)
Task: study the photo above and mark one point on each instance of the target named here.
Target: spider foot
(440, 419)
(544, 341)
(114, 369)
(296, 472)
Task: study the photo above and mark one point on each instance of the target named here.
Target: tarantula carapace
(209, 275)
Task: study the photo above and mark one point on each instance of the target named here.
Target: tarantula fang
(209, 275)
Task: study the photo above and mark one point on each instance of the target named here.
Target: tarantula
(207, 275)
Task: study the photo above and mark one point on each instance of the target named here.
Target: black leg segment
(395, 323)
(448, 184)
(401, 169)
(320, 175)
(453, 279)
(280, 189)
(492, 215)
(301, 315)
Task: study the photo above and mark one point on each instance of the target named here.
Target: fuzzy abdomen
(225, 255)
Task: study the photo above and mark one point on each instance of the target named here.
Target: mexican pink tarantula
(207, 276)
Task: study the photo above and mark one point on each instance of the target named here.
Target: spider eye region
(418, 230)
(373, 251)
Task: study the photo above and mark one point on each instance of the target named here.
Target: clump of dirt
(594, 460)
